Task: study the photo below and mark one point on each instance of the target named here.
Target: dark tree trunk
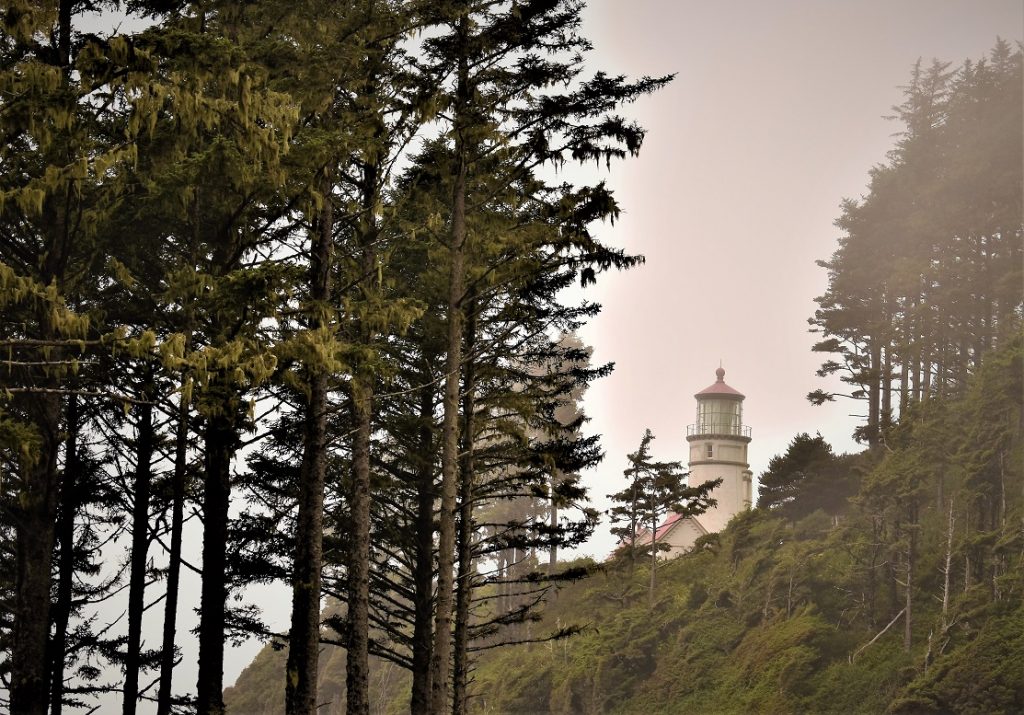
(940, 369)
(904, 358)
(304, 636)
(553, 520)
(917, 338)
(886, 407)
(926, 373)
(167, 661)
(874, 384)
(440, 658)
(140, 545)
(424, 568)
(961, 365)
(35, 519)
(357, 661)
(464, 586)
(34, 536)
(357, 657)
(69, 499)
(220, 441)
(178, 484)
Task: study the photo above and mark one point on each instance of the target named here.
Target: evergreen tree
(656, 489)
(916, 290)
(497, 59)
(808, 473)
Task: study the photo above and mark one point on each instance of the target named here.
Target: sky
(775, 115)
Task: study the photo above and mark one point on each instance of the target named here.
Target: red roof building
(718, 450)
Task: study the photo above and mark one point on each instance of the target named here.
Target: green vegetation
(776, 613)
(288, 278)
(655, 490)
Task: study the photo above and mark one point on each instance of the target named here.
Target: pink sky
(775, 115)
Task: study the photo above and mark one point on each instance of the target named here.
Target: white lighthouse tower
(718, 449)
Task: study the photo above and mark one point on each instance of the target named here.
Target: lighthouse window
(711, 451)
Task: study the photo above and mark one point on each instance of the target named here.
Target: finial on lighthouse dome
(719, 388)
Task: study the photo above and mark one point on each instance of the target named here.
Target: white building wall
(681, 538)
(728, 461)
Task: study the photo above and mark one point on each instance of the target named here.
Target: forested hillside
(283, 300)
(891, 581)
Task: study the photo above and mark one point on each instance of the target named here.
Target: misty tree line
(924, 312)
(291, 274)
(927, 276)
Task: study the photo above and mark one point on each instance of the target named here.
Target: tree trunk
(140, 546)
(553, 520)
(220, 440)
(440, 658)
(961, 366)
(967, 550)
(915, 365)
(949, 564)
(34, 536)
(941, 373)
(908, 621)
(654, 561)
(36, 511)
(464, 587)
(904, 381)
(886, 407)
(874, 385)
(1002, 490)
(35, 527)
(304, 634)
(69, 499)
(167, 661)
(357, 661)
(926, 378)
(178, 489)
(424, 568)
(872, 578)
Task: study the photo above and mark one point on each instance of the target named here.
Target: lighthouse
(718, 450)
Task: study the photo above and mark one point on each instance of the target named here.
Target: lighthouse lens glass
(719, 417)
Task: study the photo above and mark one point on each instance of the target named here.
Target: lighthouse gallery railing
(718, 427)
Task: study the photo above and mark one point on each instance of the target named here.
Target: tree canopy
(286, 280)
(926, 279)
